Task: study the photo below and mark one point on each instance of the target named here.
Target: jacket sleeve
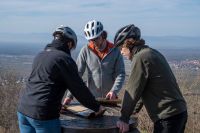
(81, 63)
(75, 84)
(119, 74)
(134, 89)
(138, 106)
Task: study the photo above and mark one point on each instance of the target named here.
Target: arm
(81, 64)
(74, 83)
(119, 73)
(138, 106)
(134, 89)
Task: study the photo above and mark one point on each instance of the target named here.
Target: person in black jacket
(53, 72)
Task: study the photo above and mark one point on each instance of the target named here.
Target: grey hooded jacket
(103, 75)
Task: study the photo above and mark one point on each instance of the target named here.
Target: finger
(118, 124)
(120, 130)
(120, 127)
(123, 129)
(113, 96)
(108, 96)
(65, 102)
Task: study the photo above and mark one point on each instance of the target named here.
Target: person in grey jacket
(102, 62)
(151, 83)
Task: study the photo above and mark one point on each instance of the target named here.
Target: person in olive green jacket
(151, 83)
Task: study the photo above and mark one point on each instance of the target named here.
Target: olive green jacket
(152, 81)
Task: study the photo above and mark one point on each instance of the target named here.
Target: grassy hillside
(10, 90)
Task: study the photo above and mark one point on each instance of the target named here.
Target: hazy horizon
(154, 17)
(161, 42)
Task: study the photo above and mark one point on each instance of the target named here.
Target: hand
(135, 115)
(123, 127)
(100, 112)
(111, 95)
(67, 101)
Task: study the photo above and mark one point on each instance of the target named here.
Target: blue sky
(153, 17)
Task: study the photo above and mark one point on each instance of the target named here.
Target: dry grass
(9, 93)
(189, 84)
(191, 91)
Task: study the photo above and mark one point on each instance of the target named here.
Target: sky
(19, 18)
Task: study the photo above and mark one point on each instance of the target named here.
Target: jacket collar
(138, 48)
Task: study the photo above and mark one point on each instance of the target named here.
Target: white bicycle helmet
(66, 32)
(93, 29)
(129, 31)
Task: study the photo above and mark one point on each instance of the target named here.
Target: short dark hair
(132, 43)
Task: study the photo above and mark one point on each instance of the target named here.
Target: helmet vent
(127, 29)
(85, 33)
(60, 28)
(97, 30)
(70, 33)
(92, 32)
(120, 37)
(93, 24)
(88, 33)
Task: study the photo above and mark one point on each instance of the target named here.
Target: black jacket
(53, 72)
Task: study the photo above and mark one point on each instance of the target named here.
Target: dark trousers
(174, 124)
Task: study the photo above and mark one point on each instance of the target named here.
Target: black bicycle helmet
(66, 32)
(129, 31)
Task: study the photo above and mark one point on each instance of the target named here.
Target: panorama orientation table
(71, 123)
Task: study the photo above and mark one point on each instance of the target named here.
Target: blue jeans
(29, 125)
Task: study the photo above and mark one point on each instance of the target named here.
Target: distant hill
(11, 48)
(19, 55)
(26, 47)
(166, 42)
(173, 42)
(29, 44)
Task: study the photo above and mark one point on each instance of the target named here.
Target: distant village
(22, 65)
(192, 65)
(186, 64)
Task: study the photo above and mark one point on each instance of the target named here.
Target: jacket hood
(59, 45)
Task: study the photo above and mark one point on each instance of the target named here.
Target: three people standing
(151, 82)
